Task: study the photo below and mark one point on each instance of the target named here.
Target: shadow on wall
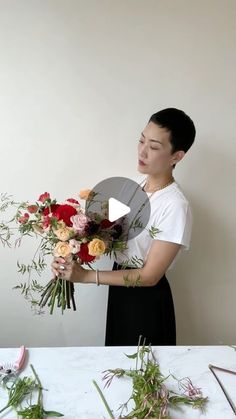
(203, 281)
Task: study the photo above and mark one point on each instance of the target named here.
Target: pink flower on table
(189, 389)
(44, 197)
(79, 222)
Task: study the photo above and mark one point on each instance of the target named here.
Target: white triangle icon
(116, 209)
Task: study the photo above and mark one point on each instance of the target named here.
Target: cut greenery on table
(21, 392)
(150, 395)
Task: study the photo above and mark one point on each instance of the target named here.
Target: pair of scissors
(10, 370)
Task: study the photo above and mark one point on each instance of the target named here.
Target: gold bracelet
(97, 278)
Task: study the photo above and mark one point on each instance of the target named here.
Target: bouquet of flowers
(66, 230)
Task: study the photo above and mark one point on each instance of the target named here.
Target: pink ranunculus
(32, 209)
(44, 197)
(79, 222)
(23, 219)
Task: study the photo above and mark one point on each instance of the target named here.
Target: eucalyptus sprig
(150, 394)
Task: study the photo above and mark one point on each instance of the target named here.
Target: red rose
(51, 209)
(64, 212)
(106, 223)
(32, 209)
(44, 197)
(83, 254)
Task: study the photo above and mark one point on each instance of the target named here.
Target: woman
(146, 308)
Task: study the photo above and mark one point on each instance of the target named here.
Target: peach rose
(96, 247)
(86, 194)
(64, 233)
(62, 249)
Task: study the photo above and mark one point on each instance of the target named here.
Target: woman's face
(154, 151)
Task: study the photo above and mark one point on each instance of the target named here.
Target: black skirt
(135, 311)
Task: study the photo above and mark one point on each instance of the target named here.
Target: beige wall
(78, 80)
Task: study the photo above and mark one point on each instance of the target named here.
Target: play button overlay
(116, 209)
(124, 202)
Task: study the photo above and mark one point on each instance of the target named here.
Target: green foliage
(134, 261)
(22, 391)
(37, 412)
(5, 235)
(136, 223)
(116, 246)
(150, 395)
(38, 266)
(18, 391)
(27, 289)
(6, 201)
(131, 282)
(5, 231)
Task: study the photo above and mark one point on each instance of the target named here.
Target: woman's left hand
(69, 270)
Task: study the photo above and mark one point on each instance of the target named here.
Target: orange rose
(86, 194)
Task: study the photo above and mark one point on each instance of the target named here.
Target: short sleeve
(175, 223)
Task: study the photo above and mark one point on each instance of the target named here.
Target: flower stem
(72, 295)
(63, 306)
(47, 293)
(40, 388)
(68, 294)
(104, 400)
(52, 301)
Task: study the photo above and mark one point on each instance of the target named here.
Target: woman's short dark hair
(181, 127)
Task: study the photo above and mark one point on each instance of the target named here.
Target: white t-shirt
(171, 215)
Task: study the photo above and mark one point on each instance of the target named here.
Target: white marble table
(67, 373)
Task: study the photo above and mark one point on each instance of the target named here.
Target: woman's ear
(177, 156)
